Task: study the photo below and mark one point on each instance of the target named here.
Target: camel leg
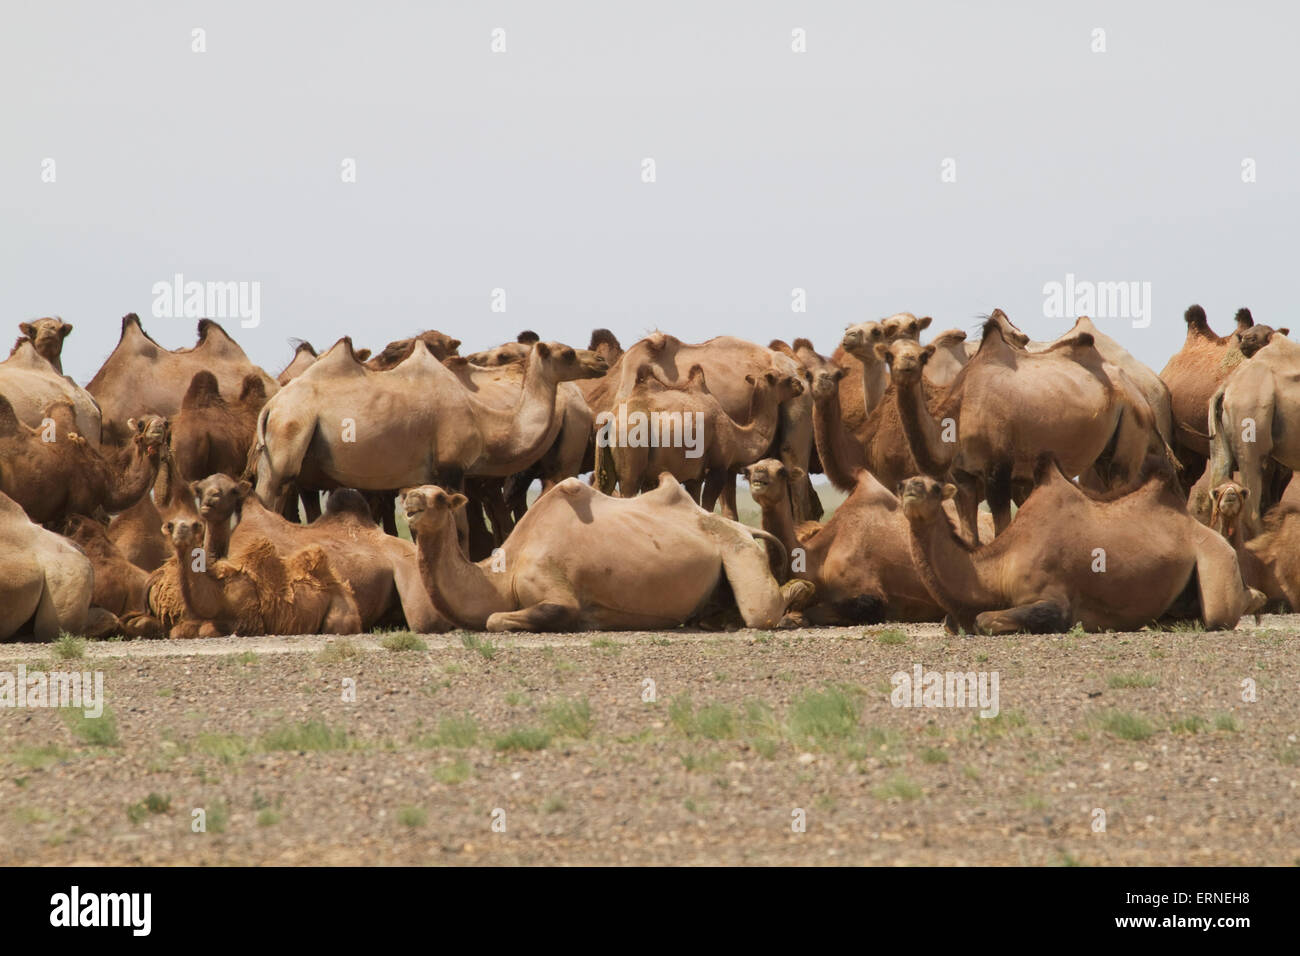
(1041, 617)
(967, 502)
(715, 480)
(761, 601)
(1224, 598)
(546, 616)
(341, 617)
(481, 541)
(999, 495)
(729, 495)
(311, 505)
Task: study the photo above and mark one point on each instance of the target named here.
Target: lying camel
(46, 583)
(381, 569)
(32, 384)
(721, 445)
(581, 560)
(212, 435)
(1252, 419)
(860, 561)
(1107, 563)
(46, 336)
(143, 378)
(1276, 553)
(260, 592)
(52, 479)
(119, 584)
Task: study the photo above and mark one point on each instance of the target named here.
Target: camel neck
(875, 380)
(841, 455)
(461, 590)
(933, 455)
(948, 569)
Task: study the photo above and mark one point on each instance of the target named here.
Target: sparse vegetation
(305, 737)
(897, 787)
(570, 718)
(523, 738)
(1129, 681)
(98, 731)
(402, 641)
(69, 647)
(485, 648)
(412, 816)
(338, 650)
(892, 635)
(824, 718)
(1125, 725)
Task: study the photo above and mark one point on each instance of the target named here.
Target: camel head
(769, 480)
(1253, 339)
(1226, 504)
(219, 496)
(785, 387)
(906, 359)
(1010, 333)
(826, 382)
(183, 533)
(150, 435)
(905, 325)
(860, 340)
(569, 364)
(923, 497)
(84, 529)
(440, 345)
(47, 335)
(506, 354)
(429, 508)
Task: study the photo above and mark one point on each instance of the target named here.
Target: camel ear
(458, 500)
(949, 491)
(243, 489)
(882, 352)
(1283, 332)
(194, 488)
(454, 344)
(27, 329)
(796, 473)
(167, 528)
(543, 350)
(926, 353)
(1245, 493)
(840, 373)
(134, 426)
(770, 377)
(924, 323)
(749, 379)
(65, 331)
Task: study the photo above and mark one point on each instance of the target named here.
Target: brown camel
(670, 413)
(862, 388)
(119, 584)
(260, 593)
(726, 361)
(1227, 506)
(32, 384)
(143, 378)
(947, 360)
(1276, 554)
(1193, 374)
(1248, 422)
(381, 569)
(581, 560)
(46, 583)
(860, 561)
(211, 435)
(342, 422)
(53, 472)
(440, 345)
(1007, 406)
(1106, 562)
(137, 531)
(46, 336)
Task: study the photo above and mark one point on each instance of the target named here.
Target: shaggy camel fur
(46, 583)
(53, 472)
(1276, 552)
(1107, 563)
(32, 385)
(46, 336)
(1252, 419)
(211, 435)
(860, 561)
(382, 570)
(260, 592)
(143, 378)
(723, 445)
(440, 345)
(119, 584)
(581, 560)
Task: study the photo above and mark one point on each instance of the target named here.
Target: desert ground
(461, 749)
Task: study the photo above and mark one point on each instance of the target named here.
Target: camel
(381, 569)
(46, 336)
(726, 361)
(119, 584)
(947, 360)
(345, 423)
(1227, 505)
(1192, 375)
(720, 444)
(581, 560)
(32, 384)
(1276, 554)
(440, 345)
(46, 583)
(212, 435)
(1106, 562)
(141, 377)
(862, 388)
(860, 561)
(53, 472)
(1007, 406)
(260, 593)
(1252, 420)
(137, 531)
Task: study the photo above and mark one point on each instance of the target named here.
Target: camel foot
(797, 593)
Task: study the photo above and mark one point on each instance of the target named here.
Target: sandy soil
(747, 730)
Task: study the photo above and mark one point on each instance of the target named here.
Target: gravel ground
(748, 733)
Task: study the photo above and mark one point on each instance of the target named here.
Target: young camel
(46, 336)
(53, 472)
(860, 561)
(136, 532)
(261, 593)
(1070, 557)
(1227, 506)
(581, 560)
(720, 444)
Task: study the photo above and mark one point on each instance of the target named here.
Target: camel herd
(997, 485)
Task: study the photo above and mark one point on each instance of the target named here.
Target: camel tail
(257, 451)
(773, 539)
(1222, 458)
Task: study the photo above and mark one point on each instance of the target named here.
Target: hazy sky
(523, 170)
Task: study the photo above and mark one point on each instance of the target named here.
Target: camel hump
(348, 501)
(528, 337)
(252, 388)
(1195, 318)
(8, 417)
(129, 321)
(776, 345)
(798, 344)
(950, 337)
(1047, 469)
(302, 345)
(601, 337)
(203, 391)
(696, 376)
(1081, 340)
(656, 342)
(1244, 319)
(211, 329)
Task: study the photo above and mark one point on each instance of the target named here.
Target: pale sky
(523, 170)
